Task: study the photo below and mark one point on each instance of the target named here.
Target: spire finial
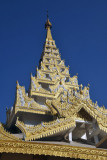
(48, 23)
(48, 26)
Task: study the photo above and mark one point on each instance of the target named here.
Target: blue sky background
(80, 32)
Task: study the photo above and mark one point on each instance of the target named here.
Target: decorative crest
(48, 26)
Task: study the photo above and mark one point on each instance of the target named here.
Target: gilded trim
(52, 150)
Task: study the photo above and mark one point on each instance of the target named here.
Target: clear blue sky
(80, 32)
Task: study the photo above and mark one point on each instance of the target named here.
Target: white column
(70, 137)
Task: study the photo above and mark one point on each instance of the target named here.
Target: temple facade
(55, 119)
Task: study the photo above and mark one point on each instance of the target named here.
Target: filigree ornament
(56, 150)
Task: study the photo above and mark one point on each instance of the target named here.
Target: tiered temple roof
(56, 107)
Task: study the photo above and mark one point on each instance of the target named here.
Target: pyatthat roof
(55, 108)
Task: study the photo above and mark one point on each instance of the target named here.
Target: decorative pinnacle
(48, 23)
(81, 91)
(96, 103)
(88, 86)
(17, 83)
(103, 107)
(81, 86)
(48, 27)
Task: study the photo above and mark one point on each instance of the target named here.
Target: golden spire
(48, 26)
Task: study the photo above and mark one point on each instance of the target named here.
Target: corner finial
(17, 84)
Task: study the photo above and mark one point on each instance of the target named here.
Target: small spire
(48, 27)
(31, 76)
(17, 84)
(48, 24)
(88, 87)
(81, 86)
(81, 91)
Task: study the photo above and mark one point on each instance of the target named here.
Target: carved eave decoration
(68, 110)
(5, 135)
(45, 129)
(27, 104)
(58, 150)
